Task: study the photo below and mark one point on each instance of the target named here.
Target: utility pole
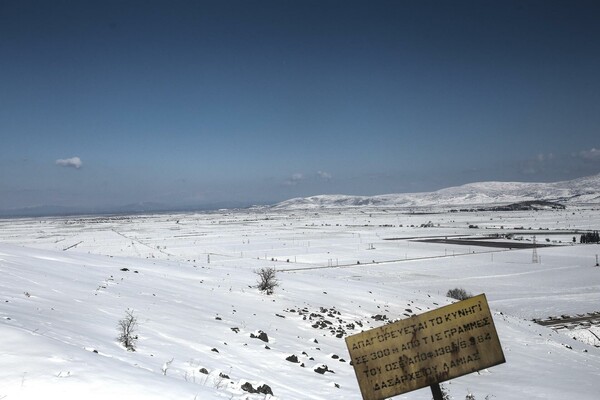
(534, 258)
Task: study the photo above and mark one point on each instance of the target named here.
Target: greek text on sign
(433, 347)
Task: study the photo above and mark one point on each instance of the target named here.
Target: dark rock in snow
(261, 335)
(321, 369)
(264, 389)
(293, 358)
(247, 387)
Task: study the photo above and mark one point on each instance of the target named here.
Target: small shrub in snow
(267, 280)
(458, 294)
(127, 328)
(166, 366)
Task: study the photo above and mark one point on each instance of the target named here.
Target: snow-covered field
(189, 279)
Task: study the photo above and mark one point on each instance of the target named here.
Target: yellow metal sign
(433, 347)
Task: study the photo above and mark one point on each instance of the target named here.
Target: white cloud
(592, 154)
(538, 164)
(544, 157)
(324, 175)
(294, 179)
(74, 162)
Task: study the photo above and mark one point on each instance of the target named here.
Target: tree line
(590, 237)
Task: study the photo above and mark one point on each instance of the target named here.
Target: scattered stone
(218, 318)
(124, 269)
(321, 369)
(264, 389)
(379, 317)
(247, 387)
(215, 350)
(203, 371)
(236, 330)
(222, 375)
(261, 335)
(293, 358)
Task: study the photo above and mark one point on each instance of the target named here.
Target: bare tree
(267, 280)
(166, 366)
(127, 328)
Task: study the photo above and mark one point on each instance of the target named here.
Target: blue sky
(104, 103)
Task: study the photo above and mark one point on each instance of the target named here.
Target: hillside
(577, 191)
(189, 280)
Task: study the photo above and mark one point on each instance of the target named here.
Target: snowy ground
(66, 282)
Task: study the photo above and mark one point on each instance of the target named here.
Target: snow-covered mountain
(581, 190)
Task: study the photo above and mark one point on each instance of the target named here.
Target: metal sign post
(436, 391)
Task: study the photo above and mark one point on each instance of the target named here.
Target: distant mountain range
(577, 191)
(128, 209)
